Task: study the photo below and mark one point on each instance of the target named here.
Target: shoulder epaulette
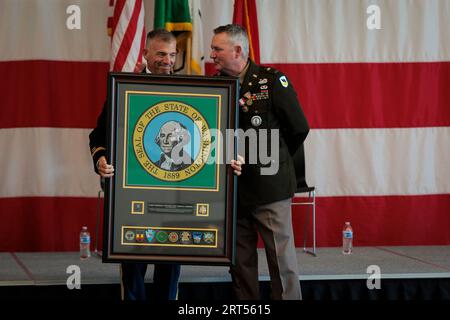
(271, 70)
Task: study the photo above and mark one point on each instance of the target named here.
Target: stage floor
(418, 262)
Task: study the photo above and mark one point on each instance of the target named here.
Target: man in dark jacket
(267, 101)
(160, 55)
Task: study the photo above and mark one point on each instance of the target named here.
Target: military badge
(185, 237)
(243, 105)
(263, 81)
(197, 237)
(256, 121)
(150, 235)
(173, 237)
(208, 237)
(171, 159)
(202, 209)
(137, 207)
(140, 237)
(246, 101)
(129, 235)
(161, 236)
(263, 95)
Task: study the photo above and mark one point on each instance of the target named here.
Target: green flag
(172, 15)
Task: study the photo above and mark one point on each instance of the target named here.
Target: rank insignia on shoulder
(284, 81)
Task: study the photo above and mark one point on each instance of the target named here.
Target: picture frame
(173, 194)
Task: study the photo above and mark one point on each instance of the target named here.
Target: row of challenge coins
(169, 236)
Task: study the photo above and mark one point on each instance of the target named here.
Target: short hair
(237, 33)
(161, 34)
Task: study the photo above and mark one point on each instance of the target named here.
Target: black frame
(227, 186)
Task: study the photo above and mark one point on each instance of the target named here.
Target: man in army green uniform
(267, 101)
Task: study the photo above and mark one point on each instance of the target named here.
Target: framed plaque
(172, 197)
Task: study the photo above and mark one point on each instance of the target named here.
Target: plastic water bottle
(85, 243)
(347, 239)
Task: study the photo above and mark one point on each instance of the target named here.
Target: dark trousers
(165, 281)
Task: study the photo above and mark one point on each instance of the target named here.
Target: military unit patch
(173, 237)
(150, 235)
(284, 81)
(129, 235)
(197, 237)
(208, 237)
(256, 121)
(161, 236)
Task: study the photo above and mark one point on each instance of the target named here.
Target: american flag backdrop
(377, 100)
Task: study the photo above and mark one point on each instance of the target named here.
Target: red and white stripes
(377, 102)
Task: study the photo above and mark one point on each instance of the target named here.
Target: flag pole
(189, 53)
